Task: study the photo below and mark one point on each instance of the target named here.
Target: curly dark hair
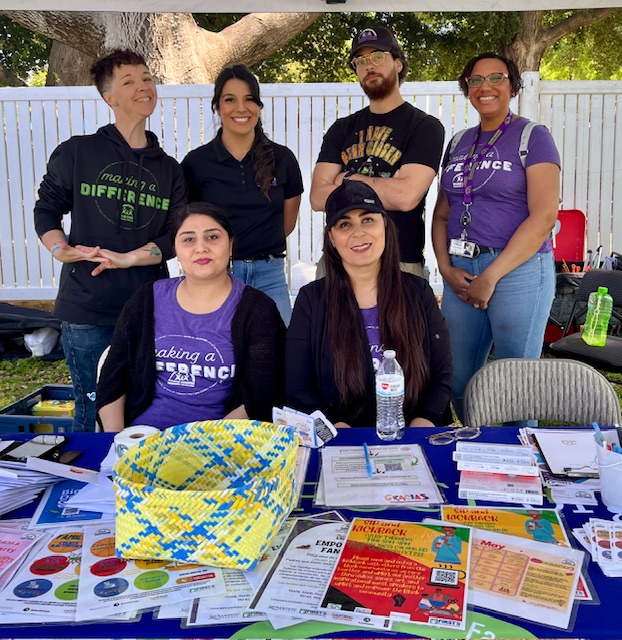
(264, 151)
(513, 72)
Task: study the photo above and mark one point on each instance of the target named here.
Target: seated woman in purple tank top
(203, 346)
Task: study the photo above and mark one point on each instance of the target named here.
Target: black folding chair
(609, 357)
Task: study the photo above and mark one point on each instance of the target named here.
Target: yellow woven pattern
(212, 492)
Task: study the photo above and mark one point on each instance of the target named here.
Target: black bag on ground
(15, 322)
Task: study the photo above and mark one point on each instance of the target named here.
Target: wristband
(56, 246)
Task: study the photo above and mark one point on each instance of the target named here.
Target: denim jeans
(514, 321)
(83, 345)
(268, 276)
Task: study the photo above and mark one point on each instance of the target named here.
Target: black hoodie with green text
(119, 199)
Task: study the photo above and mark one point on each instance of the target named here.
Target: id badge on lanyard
(462, 246)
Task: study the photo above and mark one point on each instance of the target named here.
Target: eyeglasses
(375, 57)
(461, 433)
(493, 79)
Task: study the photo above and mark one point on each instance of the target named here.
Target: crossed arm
(401, 192)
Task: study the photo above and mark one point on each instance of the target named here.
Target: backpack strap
(454, 143)
(523, 147)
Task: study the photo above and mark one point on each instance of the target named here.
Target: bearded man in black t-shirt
(391, 145)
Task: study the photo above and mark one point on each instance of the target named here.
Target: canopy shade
(269, 6)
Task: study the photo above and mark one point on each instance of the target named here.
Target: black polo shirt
(215, 176)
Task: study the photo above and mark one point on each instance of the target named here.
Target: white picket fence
(583, 117)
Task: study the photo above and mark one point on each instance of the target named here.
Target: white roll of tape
(130, 437)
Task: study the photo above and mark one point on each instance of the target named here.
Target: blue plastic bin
(18, 418)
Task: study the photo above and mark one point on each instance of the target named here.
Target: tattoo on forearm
(154, 251)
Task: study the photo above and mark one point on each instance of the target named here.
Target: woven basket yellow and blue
(211, 492)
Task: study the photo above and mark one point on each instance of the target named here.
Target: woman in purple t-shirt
(203, 346)
(491, 227)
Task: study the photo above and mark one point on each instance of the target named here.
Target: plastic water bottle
(390, 398)
(599, 308)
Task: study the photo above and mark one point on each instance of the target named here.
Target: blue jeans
(268, 276)
(514, 321)
(83, 345)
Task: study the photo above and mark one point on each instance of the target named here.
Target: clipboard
(587, 468)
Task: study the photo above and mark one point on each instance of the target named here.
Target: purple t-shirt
(195, 363)
(370, 320)
(499, 202)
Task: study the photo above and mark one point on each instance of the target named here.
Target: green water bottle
(599, 308)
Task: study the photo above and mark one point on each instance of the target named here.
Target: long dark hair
(401, 328)
(263, 153)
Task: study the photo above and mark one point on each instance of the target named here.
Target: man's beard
(379, 90)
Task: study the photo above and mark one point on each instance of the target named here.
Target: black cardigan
(258, 336)
(310, 382)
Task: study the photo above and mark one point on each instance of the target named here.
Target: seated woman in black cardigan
(342, 323)
(199, 347)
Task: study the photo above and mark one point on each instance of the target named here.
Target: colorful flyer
(297, 580)
(542, 525)
(403, 571)
(532, 580)
(47, 582)
(108, 582)
(14, 544)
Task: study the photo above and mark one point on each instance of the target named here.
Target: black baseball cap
(350, 195)
(380, 38)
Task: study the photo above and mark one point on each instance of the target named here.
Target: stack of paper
(19, 485)
(603, 540)
(566, 459)
(503, 473)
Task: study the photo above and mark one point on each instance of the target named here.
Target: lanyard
(470, 167)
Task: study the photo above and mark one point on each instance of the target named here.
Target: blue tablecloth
(591, 622)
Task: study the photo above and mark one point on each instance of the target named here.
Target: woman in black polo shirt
(256, 181)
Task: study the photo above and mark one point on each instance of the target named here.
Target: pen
(597, 257)
(599, 434)
(588, 260)
(367, 460)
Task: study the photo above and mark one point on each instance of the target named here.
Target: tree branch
(574, 22)
(257, 35)
(84, 31)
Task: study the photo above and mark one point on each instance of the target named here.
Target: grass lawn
(20, 377)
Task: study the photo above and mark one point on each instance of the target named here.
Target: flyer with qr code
(396, 475)
(404, 572)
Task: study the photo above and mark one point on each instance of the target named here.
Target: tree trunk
(176, 49)
(68, 66)
(529, 47)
